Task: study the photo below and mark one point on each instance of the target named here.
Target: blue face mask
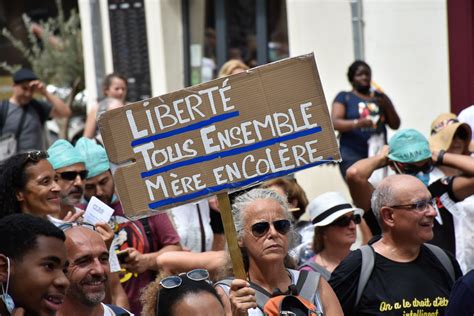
(423, 177)
(6, 298)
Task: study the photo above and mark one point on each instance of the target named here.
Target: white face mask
(6, 298)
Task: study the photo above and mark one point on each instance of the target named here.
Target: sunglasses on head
(35, 156)
(345, 221)
(69, 225)
(282, 226)
(72, 175)
(175, 281)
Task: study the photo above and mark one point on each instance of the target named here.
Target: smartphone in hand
(122, 256)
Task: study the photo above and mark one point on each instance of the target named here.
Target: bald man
(408, 278)
(88, 274)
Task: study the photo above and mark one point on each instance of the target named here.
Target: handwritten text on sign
(225, 134)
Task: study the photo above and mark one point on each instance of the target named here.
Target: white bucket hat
(330, 206)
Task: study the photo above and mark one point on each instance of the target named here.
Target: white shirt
(186, 220)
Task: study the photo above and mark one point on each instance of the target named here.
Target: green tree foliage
(54, 49)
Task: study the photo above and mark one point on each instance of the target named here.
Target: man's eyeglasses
(282, 226)
(69, 225)
(345, 221)
(175, 281)
(419, 206)
(72, 175)
(35, 156)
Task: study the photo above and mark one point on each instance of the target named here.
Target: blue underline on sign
(231, 152)
(222, 187)
(191, 127)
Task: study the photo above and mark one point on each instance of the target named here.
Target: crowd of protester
(298, 254)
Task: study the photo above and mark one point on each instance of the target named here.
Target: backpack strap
(20, 126)
(306, 282)
(368, 259)
(4, 113)
(443, 259)
(316, 268)
(148, 233)
(310, 264)
(306, 287)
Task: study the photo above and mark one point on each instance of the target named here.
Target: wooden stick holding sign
(231, 236)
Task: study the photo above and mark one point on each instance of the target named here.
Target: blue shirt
(358, 108)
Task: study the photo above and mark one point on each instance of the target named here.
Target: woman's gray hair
(243, 201)
(382, 196)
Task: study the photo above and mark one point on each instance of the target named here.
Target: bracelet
(440, 157)
(355, 121)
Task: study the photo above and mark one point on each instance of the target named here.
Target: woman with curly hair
(189, 293)
(28, 185)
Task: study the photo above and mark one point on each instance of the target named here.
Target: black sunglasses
(413, 169)
(72, 175)
(175, 281)
(282, 226)
(345, 221)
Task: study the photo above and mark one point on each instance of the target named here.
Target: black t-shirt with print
(394, 288)
(444, 236)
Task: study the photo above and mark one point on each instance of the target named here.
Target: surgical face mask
(423, 177)
(6, 298)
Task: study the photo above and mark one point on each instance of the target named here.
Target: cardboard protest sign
(221, 135)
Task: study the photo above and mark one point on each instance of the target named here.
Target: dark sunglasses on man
(72, 175)
(411, 169)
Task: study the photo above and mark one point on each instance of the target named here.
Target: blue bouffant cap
(24, 74)
(63, 154)
(94, 155)
(408, 145)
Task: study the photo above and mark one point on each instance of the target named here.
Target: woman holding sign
(361, 116)
(265, 233)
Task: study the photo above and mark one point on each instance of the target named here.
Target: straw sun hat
(443, 129)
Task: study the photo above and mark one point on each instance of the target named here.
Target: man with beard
(70, 167)
(140, 241)
(88, 273)
(71, 170)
